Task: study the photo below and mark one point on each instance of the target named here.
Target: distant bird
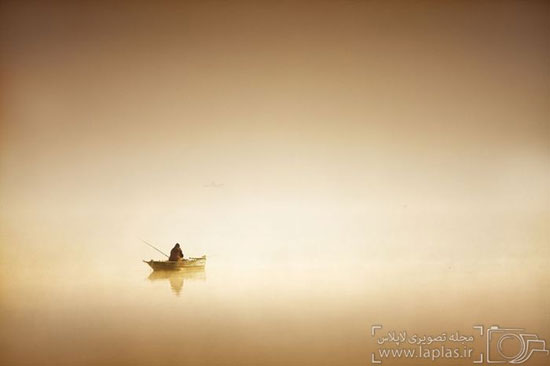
(213, 185)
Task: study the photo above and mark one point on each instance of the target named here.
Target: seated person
(176, 254)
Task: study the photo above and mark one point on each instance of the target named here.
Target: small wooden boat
(177, 265)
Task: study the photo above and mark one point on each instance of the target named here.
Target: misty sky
(337, 128)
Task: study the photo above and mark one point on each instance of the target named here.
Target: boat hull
(177, 265)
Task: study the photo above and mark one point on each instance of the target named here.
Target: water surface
(253, 314)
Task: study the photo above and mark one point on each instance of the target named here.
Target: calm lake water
(260, 314)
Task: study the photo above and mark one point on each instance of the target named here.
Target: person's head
(177, 245)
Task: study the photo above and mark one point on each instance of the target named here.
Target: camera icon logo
(508, 345)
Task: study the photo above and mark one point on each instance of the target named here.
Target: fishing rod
(158, 250)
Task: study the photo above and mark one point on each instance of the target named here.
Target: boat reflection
(177, 278)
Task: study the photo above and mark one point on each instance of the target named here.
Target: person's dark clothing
(176, 254)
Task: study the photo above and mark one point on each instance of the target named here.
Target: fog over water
(232, 314)
(341, 164)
